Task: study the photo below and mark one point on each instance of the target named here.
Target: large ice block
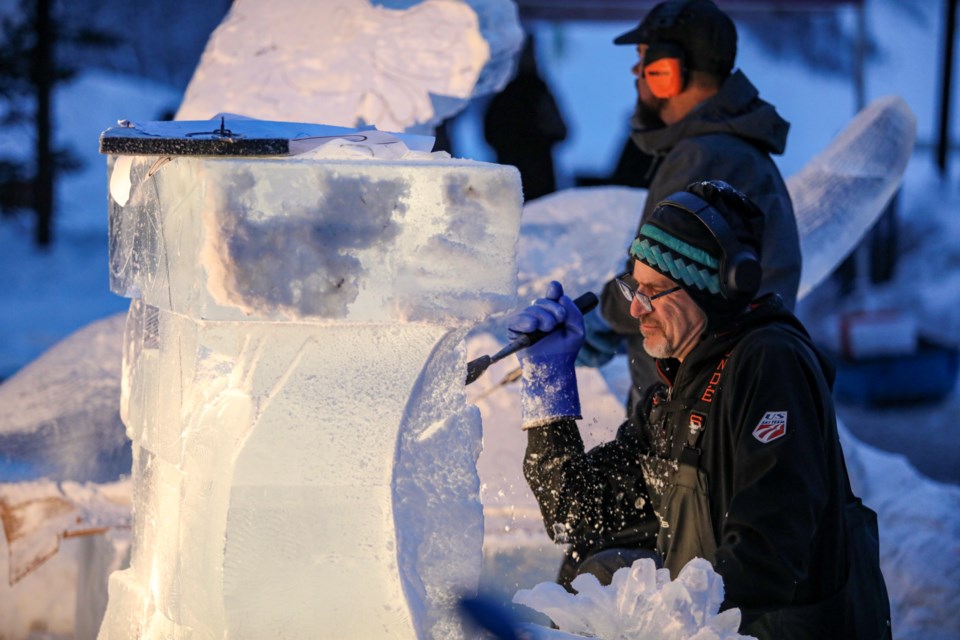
(304, 454)
(289, 239)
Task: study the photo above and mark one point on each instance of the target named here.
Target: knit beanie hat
(706, 34)
(707, 239)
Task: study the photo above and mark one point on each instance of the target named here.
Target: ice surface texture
(641, 603)
(270, 239)
(304, 456)
(400, 69)
(842, 191)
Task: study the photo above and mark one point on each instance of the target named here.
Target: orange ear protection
(663, 69)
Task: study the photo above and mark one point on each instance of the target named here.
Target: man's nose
(637, 69)
(637, 310)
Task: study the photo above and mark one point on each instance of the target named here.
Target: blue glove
(602, 342)
(549, 387)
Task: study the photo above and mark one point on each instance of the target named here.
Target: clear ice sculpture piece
(304, 458)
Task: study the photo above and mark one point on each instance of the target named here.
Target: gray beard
(660, 354)
(665, 350)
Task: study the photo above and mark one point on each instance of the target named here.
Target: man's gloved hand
(601, 342)
(549, 381)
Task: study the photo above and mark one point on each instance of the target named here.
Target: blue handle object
(549, 379)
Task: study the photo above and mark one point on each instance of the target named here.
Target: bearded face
(674, 326)
(647, 114)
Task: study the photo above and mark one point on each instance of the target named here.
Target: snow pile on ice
(578, 236)
(641, 603)
(919, 539)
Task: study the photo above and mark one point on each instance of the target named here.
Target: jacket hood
(736, 109)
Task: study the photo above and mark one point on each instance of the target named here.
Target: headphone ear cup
(741, 275)
(664, 77)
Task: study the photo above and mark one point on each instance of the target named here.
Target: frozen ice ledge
(302, 238)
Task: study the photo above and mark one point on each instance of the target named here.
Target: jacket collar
(764, 311)
(736, 109)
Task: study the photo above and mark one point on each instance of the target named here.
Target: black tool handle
(475, 368)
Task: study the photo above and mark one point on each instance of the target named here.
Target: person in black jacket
(734, 457)
(701, 120)
(523, 124)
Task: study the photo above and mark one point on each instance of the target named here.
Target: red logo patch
(772, 425)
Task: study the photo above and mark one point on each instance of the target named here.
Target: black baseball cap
(706, 34)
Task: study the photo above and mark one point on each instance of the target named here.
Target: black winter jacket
(729, 137)
(775, 507)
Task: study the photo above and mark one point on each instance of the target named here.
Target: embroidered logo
(772, 425)
(696, 422)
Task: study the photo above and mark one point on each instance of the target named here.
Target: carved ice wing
(434, 47)
(349, 64)
(839, 194)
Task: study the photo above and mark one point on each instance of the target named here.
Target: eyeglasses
(631, 292)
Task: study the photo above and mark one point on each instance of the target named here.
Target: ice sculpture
(640, 602)
(403, 68)
(841, 192)
(304, 455)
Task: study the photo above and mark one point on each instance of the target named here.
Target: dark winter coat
(729, 137)
(774, 522)
(522, 124)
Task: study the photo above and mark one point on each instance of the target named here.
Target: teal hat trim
(683, 248)
(676, 267)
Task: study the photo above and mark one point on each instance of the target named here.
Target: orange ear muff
(664, 77)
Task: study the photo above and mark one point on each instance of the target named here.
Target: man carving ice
(735, 457)
(701, 119)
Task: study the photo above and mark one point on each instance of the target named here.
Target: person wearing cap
(734, 457)
(702, 121)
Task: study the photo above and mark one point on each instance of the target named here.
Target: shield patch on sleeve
(772, 425)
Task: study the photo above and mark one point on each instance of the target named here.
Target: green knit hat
(707, 239)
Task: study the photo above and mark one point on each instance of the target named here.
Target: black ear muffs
(664, 70)
(740, 270)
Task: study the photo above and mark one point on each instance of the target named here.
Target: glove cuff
(549, 391)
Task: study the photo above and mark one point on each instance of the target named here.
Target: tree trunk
(43, 79)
